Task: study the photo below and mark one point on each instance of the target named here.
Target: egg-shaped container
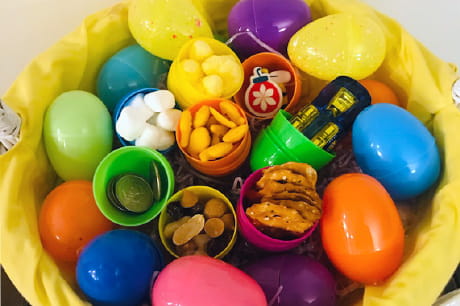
(205, 281)
(251, 233)
(393, 146)
(136, 160)
(204, 193)
(361, 230)
(230, 162)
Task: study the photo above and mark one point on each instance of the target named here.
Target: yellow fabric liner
(420, 79)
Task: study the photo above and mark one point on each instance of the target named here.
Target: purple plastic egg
(271, 21)
(289, 279)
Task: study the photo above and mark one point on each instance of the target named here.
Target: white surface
(28, 27)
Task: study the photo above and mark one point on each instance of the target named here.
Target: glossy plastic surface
(393, 146)
(280, 142)
(116, 268)
(205, 281)
(271, 21)
(380, 92)
(361, 230)
(77, 133)
(304, 281)
(135, 160)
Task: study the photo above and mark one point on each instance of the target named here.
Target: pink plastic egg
(205, 281)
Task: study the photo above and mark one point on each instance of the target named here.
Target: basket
(423, 80)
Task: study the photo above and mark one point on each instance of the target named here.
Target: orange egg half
(361, 230)
(380, 92)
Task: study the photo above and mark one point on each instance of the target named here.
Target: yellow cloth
(420, 78)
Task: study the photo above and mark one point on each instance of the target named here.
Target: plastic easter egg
(78, 134)
(303, 281)
(339, 44)
(393, 146)
(117, 267)
(128, 70)
(271, 21)
(69, 219)
(380, 92)
(361, 230)
(163, 26)
(205, 281)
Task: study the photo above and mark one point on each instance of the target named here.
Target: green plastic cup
(281, 142)
(135, 160)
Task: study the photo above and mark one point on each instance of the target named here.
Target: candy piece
(131, 123)
(214, 227)
(216, 151)
(185, 128)
(159, 100)
(229, 109)
(192, 68)
(200, 50)
(155, 138)
(199, 140)
(236, 134)
(170, 228)
(213, 85)
(168, 119)
(215, 208)
(211, 121)
(188, 230)
(218, 129)
(215, 139)
(189, 199)
(221, 118)
(201, 116)
(229, 222)
(186, 249)
(175, 210)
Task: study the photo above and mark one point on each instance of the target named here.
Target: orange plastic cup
(226, 164)
(272, 62)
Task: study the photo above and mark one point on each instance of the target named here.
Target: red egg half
(361, 230)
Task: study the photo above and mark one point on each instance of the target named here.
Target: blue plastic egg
(130, 69)
(116, 268)
(393, 146)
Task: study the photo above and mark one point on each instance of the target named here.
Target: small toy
(338, 44)
(117, 267)
(361, 230)
(380, 92)
(205, 281)
(393, 146)
(270, 21)
(77, 133)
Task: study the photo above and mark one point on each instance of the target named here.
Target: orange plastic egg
(69, 219)
(380, 92)
(361, 230)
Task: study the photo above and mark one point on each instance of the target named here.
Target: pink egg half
(205, 281)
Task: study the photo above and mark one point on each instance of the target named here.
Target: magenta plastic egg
(271, 21)
(290, 279)
(205, 281)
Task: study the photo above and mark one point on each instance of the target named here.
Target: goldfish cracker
(200, 50)
(192, 68)
(221, 118)
(232, 112)
(215, 139)
(236, 134)
(185, 128)
(216, 151)
(218, 129)
(199, 140)
(213, 85)
(201, 116)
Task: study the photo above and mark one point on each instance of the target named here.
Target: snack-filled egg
(289, 279)
(361, 230)
(393, 146)
(205, 281)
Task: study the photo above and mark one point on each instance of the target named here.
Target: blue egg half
(116, 268)
(130, 69)
(393, 146)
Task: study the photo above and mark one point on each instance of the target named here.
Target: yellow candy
(199, 140)
(200, 50)
(218, 129)
(236, 134)
(185, 127)
(192, 68)
(201, 116)
(216, 151)
(221, 118)
(213, 85)
(232, 112)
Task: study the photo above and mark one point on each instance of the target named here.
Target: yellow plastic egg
(339, 44)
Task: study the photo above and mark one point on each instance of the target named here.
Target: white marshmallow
(168, 119)
(138, 100)
(155, 138)
(130, 123)
(159, 100)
